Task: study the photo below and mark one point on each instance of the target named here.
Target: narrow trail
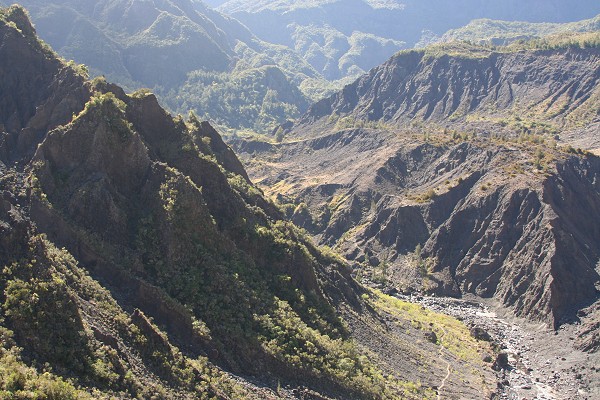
(441, 357)
(542, 364)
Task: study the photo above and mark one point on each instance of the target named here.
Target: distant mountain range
(343, 38)
(185, 52)
(267, 69)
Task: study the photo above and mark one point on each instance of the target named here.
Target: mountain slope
(139, 261)
(440, 171)
(165, 45)
(554, 90)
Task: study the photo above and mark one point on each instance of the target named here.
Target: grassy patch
(456, 339)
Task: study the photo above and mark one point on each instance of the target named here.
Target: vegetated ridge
(138, 260)
(191, 56)
(504, 32)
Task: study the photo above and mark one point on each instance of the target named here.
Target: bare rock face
(442, 173)
(14, 228)
(559, 87)
(527, 247)
(588, 334)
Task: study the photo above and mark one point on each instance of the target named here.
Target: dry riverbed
(540, 363)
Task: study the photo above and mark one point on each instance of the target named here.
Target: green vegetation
(19, 381)
(258, 98)
(316, 89)
(424, 267)
(451, 333)
(351, 122)
(380, 273)
(292, 326)
(18, 18)
(245, 284)
(43, 303)
(502, 32)
(470, 50)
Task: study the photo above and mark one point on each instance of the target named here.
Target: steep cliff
(554, 90)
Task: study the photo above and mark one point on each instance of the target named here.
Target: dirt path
(441, 357)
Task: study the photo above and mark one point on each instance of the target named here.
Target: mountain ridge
(469, 92)
(164, 45)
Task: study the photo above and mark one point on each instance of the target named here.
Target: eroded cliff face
(430, 85)
(450, 170)
(531, 246)
(448, 213)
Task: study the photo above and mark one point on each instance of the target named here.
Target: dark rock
(105, 338)
(431, 336)
(480, 334)
(501, 361)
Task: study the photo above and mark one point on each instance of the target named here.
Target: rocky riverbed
(533, 362)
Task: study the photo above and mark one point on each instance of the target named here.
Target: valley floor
(542, 363)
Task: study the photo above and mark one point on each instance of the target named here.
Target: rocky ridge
(554, 90)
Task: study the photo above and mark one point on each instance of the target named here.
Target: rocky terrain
(139, 261)
(552, 90)
(450, 171)
(259, 73)
(533, 362)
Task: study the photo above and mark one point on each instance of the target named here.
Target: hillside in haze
(138, 261)
(192, 57)
(503, 32)
(342, 38)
